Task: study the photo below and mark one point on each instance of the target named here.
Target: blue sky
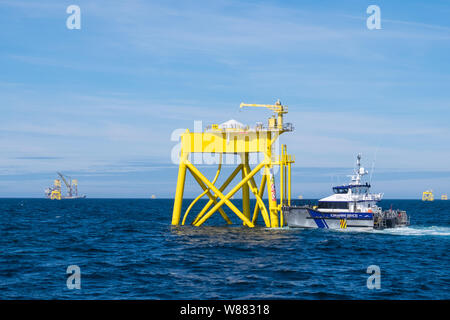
(101, 103)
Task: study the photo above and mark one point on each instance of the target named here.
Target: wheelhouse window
(360, 190)
(333, 205)
(340, 190)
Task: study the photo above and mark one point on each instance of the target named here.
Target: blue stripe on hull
(320, 223)
(319, 217)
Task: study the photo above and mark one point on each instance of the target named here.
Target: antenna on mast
(358, 161)
(371, 171)
(373, 166)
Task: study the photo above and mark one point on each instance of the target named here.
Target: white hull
(306, 217)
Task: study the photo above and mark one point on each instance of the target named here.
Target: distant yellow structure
(153, 196)
(56, 192)
(428, 195)
(232, 137)
(444, 197)
(300, 197)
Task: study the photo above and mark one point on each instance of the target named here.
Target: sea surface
(127, 249)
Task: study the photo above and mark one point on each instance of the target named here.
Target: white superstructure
(353, 197)
(352, 206)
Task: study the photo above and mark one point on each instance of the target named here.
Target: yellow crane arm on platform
(278, 108)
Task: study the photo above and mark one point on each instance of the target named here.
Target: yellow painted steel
(283, 183)
(180, 189)
(258, 195)
(257, 206)
(444, 197)
(282, 174)
(56, 192)
(245, 188)
(227, 141)
(203, 193)
(238, 140)
(55, 195)
(428, 195)
(223, 187)
(284, 161)
(202, 185)
(289, 183)
(277, 108)
(222, 196)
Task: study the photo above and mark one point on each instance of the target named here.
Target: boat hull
(307, 217)
(74, 197)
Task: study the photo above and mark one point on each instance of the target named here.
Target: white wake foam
(417, 231)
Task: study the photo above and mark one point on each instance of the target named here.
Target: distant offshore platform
(429, 196)
(54, 192)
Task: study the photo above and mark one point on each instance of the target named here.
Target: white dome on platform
(231, 124)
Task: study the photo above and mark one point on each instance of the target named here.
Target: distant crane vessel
(54, 192)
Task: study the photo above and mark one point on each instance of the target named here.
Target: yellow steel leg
(229, 195)
(285, 173)
(282, 176)
(260, 194)
(289, 183)
(191, 205)
(223, 187)
(203, 193)
(286, 189)
(180, 190)
(245, 188)
(259, 202)
(282, 183)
